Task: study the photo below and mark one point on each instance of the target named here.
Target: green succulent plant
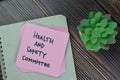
(98, 31)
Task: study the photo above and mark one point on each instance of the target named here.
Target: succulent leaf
(104, 34)
(104, 22)
(91, 14)
(98, 16)
(109, 31)
(86, 23)
(88, 46)
(93, 21)
(94, 40)
(96, 47)
(112, 25)
(104, 41)
(85, 38)
(88, 31)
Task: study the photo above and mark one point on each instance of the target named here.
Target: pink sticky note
(62, 69)
(42, 50)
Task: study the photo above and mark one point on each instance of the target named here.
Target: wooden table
(104, 65)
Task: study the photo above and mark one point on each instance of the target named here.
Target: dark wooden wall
(104, 65)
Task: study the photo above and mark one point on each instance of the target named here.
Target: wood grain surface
(104, 65)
